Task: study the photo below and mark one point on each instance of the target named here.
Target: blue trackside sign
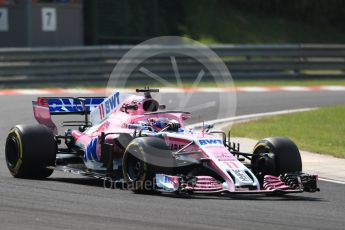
(210, 142)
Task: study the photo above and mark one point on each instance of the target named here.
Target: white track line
(254, 89)
(32, 91)
(332, 181)
(250, 117)
(333, 88)
(295, 88)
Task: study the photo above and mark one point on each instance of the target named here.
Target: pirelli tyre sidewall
(282, 157)
(143, 158)
(29, 150)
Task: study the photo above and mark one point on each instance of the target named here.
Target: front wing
(206, 185)
(288, 183)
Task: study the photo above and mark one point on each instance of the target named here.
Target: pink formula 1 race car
(132, 140)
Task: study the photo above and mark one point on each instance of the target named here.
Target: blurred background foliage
(216, 21)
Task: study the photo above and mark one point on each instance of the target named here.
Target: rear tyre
(29, 150)
(275, 156)
(143, 158)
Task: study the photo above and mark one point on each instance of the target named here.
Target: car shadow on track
(257, 197)
(80, 181)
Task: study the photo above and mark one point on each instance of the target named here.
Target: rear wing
(99, 108)
(44, 107)
(68, 105)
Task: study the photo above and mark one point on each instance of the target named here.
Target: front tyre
(29, 150)
(143, 158)
(275, 156)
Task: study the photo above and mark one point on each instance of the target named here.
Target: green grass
(217, 23)
(321, 131)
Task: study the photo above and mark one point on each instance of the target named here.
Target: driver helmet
(160, 123)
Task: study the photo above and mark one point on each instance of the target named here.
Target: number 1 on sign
(49, 17)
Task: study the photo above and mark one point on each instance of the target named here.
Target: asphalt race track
(65, 201)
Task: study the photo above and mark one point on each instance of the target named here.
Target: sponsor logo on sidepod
(210, 142)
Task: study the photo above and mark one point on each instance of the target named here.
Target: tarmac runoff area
(328, 168)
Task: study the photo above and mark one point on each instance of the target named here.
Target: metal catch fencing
(94, 64)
